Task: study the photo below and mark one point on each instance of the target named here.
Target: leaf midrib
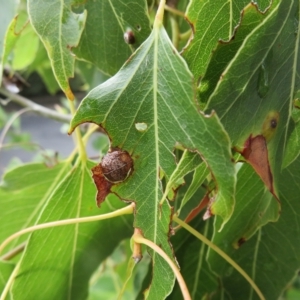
(155, 121)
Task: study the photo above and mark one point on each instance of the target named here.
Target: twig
(138, 238)
(38, 109)
(174, 11)
(10, 282)
(11, 254)
(221, 253)
(119, 212)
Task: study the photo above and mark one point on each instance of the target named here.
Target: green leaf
(60, 30)
(10, 39)
(192, 260)
(119, 277)
(188, 162)
(25, 49)
(255, 207)
(293, 146)
(272, 256)
(24, 198)
(58, 262)
(7, 13)
(254, 95)
(102, 41)
(201, 172)
(6, 268)
(90, 74)
(225, 51)
(42, 66)
(155, 87)
(21, 42)
(211, 21)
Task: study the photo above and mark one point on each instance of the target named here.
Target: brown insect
(116, 166)
(129, 37)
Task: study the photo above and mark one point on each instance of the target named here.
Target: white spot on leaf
(141, 127)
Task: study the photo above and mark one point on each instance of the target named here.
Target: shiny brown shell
(116, 166)
(129, 37)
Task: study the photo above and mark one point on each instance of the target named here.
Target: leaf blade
(60, 30)
(24, 198)
(58, 258)
(141, 93)
(102, 41)
(270, 115)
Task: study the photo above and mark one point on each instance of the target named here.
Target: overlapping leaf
(225, 51)
(42, 66)
(293, 146)
(61, 260)
(211, 21)
(6, 15)
(24, 53)
(254, 95)
(23, 192)
(102, 41)
(155, 88)
(60, 30)
(195, 269)
(271, 257)
(255, 206)
(18, 52)
(188, 163)
(6, 268)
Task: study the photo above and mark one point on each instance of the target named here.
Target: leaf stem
(84, 140)
(9, 282)
(221, 253)
(122, 211)
(82, 152)
(11, 254)
(175, 31)
(171, 180)
(138, 238)
(185, 35)
(159, 14)
(174, 11)
(38, 109)
(137, 249)
(129, 272)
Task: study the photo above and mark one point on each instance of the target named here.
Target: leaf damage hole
(256, 153)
